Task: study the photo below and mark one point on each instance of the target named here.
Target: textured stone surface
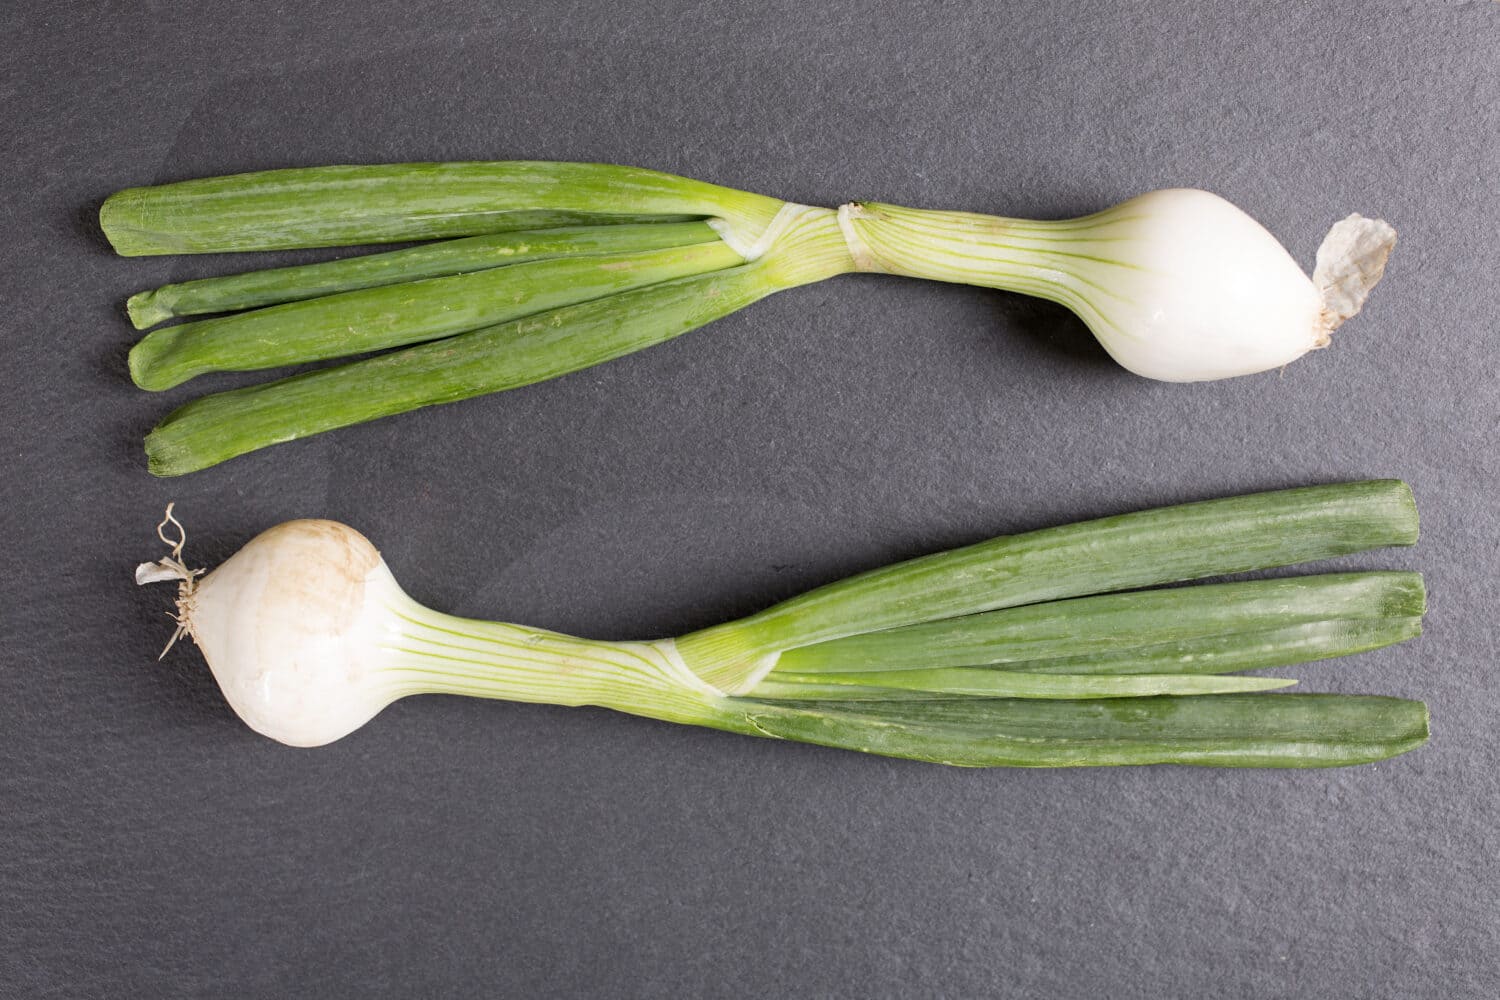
(154, 847)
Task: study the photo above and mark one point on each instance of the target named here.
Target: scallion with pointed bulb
(1176, 284)
(309, 637)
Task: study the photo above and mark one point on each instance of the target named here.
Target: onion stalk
(309, 637)
(1177, 284)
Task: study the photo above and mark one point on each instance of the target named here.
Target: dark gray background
(153, 846)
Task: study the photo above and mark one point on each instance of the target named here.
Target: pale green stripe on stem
(979, 682)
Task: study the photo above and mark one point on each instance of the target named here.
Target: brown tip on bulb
(319, 566)
(1351, 260)
(1328, 321)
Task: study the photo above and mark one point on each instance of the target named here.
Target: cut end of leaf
(145, 310)
(166, 457)
(149, 362)
(119, 218)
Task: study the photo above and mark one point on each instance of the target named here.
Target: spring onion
(309, 637)
(1176, 284)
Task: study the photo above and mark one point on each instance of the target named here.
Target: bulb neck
(427, 652)
(1037, 258)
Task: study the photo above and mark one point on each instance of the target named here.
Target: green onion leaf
(1153, 631)
(214, 428)
(1142, 549)
(249, 290)
(980, 682)
(1282, 730)
(346, 205)
(371, 319)
(1257, 650)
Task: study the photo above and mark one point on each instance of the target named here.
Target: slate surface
(154, 847)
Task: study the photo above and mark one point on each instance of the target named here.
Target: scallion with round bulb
(309, 637)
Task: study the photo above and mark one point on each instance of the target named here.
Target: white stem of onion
(1178, 285)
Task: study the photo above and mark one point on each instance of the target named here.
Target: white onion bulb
(1178, 285)
(309, 636)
